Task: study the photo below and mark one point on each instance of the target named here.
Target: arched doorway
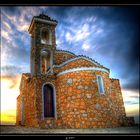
(48, 101)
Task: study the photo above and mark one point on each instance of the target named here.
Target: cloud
(23, 27)
(130, 96)
(131, 84)
(69, 37)
(15, 51)
(6, 35)
(21, 16)
(86, 47)
(131, 103)
(78, 34)
(10, 70)
(91, 19)
(6, 25)
(9, 91)
(98, 31)
(82, 32)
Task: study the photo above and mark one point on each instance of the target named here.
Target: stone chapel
(64, 90)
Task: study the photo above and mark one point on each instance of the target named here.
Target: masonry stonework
(68, 90)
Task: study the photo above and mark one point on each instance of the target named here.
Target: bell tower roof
(42, 18)
(46, 17)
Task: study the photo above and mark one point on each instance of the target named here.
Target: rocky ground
(22, 130)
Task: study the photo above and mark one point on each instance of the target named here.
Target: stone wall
(80, 104)
(28, 92)
(18, 110)
(116, 101)
(40, 81)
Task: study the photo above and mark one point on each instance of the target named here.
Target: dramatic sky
(109, 35)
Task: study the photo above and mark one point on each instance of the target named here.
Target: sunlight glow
(9, 93)
(131, 102)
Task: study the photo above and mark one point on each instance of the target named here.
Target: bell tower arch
(43, 44)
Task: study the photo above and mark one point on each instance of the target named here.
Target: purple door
(48, 101)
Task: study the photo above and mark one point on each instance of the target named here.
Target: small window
(45, 37)
(100, 84)
(44, 65)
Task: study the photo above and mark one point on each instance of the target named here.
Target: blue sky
(107, 34)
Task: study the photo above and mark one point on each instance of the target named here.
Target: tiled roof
(64, 51)
(77, 57)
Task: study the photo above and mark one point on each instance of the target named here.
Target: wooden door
(48, 101)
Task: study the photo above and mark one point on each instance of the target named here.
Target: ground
(22, 130)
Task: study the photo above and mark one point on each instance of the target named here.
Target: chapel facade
(64, 90)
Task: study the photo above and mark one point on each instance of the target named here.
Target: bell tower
(43, 44)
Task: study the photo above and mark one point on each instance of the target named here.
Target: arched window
(48, 101)
(100, 84)
(45, 37)
(44, 65)
(45, 61)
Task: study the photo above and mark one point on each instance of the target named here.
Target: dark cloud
(133, 53)
(16, 51)
(10, 70)
(11, 10)
(21, 55)
(131, 84)
(121, 43)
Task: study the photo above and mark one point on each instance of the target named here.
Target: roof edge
(79, 57)
(82, 69)
(64, 51)
(42, 20)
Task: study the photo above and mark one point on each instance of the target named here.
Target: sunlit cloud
(131, 96)
(131, 101)
(9, 91)
(82, 33)
(69, 37)
(7, 25)
(5, 35)
(86, 47)
(23, 27)
(78, 34)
